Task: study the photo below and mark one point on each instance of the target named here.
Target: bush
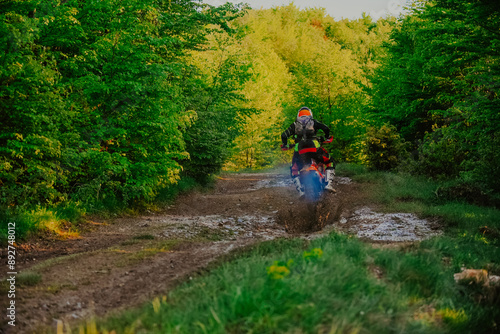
(484, 169)
(439, 156)
(384, 147)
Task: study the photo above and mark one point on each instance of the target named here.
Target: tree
(440, 84)
(219, 102)
(92, 98)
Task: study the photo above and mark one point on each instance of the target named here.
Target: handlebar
(320, 139)
(288, 147)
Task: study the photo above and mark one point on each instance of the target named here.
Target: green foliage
(383, 147)
(95, 101)
(168, 194)
(439, 86)
(267, 91)
(483, 170)
(219, 104)
(439, 156)
(305, 57)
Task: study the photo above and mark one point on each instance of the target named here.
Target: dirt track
(125, 262)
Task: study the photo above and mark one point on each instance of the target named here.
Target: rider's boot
(298, 185)
(330, 173)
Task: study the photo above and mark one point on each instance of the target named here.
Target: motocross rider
(304, 130)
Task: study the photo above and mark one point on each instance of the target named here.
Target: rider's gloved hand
(329, 140)
(284, 147)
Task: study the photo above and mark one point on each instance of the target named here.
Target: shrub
(484, 169)
(384, 147)
(439, 156)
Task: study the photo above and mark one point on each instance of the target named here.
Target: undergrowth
(64, 220)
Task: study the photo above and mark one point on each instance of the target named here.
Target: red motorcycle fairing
(314, 167)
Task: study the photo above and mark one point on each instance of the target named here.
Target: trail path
(127, 261)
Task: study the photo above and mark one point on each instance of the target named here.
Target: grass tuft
(144, 237)
(28, 278)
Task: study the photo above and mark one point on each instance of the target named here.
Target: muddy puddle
(220, 227)
(272, 181)
(389, 227)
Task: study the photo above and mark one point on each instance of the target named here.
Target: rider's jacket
(291, 131)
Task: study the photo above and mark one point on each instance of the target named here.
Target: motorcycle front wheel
(312, 186)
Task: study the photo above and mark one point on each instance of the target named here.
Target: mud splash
(342, 180)
(308, 217)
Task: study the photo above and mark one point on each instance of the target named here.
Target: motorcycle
(312, 176)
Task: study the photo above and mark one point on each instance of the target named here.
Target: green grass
(27, 222)
(28, 278)
(279, 287)
(144, 237)
(349, 170)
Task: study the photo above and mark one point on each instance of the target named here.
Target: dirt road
(125, 262)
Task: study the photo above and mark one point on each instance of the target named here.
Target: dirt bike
(312, 176)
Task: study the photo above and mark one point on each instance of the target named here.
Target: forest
(111, 105)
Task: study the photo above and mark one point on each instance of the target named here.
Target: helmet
(304, 111)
